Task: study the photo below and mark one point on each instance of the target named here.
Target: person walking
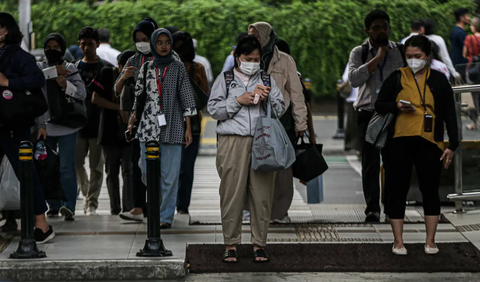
(127, 78)
(439, 43)
(237, 113)
(369, 65)
(111, 135)
(457, 40)
(105, 50)
(60, 136)
(421, 99)
(89, 67)
(471, 49)
(164, 98)
(18, 71)
(184, 47)
(283, 69)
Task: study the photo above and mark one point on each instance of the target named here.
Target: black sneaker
(52, 213)
(373, 217)
(42, 238)
(67, 213)
(10, 226)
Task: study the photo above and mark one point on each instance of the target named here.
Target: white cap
(195, 43)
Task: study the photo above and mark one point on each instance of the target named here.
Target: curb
(91, 270)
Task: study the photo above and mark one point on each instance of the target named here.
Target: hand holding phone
(405, 106)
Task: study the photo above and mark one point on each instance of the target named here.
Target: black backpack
(19, 108)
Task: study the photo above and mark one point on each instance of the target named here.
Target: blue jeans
(189, 157)
(170, 159)
(67, 147)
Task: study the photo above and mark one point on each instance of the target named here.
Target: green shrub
(320, 33)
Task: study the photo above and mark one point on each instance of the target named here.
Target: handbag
(19, 108)
(377, 130)
(64, 109)
(9, 187)
(271, 149)
(309, 162)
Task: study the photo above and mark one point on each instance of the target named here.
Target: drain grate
(468, 228)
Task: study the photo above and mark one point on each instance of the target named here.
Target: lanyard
(143, 59)
(423, 98)
(380, 67)
(160, 87)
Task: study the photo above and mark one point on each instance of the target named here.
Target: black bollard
(27, 247)
(154, 244)
(340, 134)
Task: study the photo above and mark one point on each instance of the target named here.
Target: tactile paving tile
(468, 228)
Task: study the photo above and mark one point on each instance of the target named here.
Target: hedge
(321, 34)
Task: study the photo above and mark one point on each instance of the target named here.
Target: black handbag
(64, 109)
(310, 162)
(19, 108)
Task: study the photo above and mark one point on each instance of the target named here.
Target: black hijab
(161, 61)
(55, 57)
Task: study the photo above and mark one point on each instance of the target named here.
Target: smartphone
(129, 137)
(406, 103)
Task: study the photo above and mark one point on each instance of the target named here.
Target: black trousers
(139, 189)
(399, 157)
(116, 158)
(370, 165)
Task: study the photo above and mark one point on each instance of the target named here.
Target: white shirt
(443, 52)
(107, 53)
(408, 37)
(208, 68)
(354, 93)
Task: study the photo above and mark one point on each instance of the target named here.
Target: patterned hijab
(161, 61)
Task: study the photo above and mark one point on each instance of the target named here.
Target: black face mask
(53, 56)
(381, 40)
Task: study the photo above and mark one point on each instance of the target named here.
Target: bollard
(154, 244)
(27, 247)
(340, 134)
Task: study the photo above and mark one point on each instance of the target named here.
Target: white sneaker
(131, 216)
(399, 251)
(91, 211)
(431, 251)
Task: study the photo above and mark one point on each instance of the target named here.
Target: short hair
(246, 46)
(241, 36)
(89, 33)
(460, 12)
(123, 57)
(375, 15)
(421, 42)
(429, 25)
(416, 25)
(14, 35)
(104, 35)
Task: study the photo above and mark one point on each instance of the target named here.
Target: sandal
(471, 127)
(230, 254)
(260, 253)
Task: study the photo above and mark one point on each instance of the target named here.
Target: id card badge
(428, 123)
(161, 120)
(377, 91)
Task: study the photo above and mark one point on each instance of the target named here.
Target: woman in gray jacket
(238, 110)
(61, 134)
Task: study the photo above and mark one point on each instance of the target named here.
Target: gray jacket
(234, 118)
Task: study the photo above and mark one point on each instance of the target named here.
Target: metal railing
(459, 195)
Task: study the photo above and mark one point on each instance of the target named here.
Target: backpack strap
(229, 76)
(266, 79)
(364, 52)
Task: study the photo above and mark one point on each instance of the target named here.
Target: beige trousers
(90, 188)
(240, 184)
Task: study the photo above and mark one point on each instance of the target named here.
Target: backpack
(19, 108)
(229, 77)
(400, 47)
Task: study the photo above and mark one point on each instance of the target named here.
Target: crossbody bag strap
(228, 75)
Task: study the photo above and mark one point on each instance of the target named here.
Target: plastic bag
(9, 187)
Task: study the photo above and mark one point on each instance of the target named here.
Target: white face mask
(143, 47)
(416, 64)
(249, 68)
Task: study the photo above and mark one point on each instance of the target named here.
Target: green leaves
(321, 34)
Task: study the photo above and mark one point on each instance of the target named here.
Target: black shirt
(89, 71)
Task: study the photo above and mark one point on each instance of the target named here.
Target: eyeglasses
(380, 27)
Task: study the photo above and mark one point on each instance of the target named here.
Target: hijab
(184, 46)
(268, 38)
(147, 26)
(161, 61)
(54, 56)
